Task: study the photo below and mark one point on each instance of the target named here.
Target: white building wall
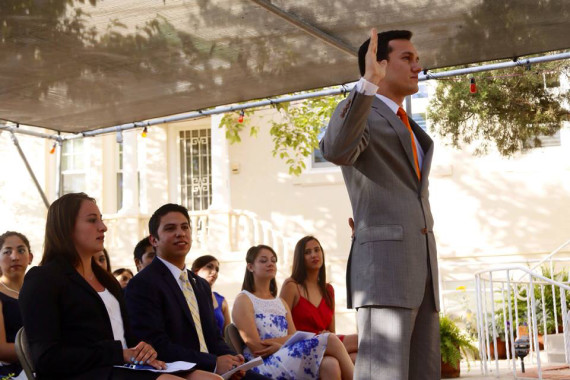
(488, 210)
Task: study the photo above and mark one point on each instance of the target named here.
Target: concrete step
(556, 357)
(554, 342)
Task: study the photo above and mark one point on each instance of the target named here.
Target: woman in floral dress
(265, 324)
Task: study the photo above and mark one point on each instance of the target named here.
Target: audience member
(101, 258)
(170, 306)
(73, 310)
(15, 256)
(144, 253)
(265, 323)
(308, 295)
(123, 275)
(208, 267)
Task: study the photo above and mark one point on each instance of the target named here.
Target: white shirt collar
(389, 102)
(172, 268)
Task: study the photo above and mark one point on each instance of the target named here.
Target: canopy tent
(76, 66)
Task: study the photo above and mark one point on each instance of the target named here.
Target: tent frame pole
(30, 170)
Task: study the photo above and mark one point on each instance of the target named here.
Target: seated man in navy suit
(170, 307)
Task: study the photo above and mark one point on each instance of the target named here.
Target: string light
(240, 118)
(473, 86)
(52, 150)
(144, 132)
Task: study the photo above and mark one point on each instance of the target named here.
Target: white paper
(170, 367)
(244, 367)
(298, 336)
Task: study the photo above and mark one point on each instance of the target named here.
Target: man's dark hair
(383, 48)
(154, 221)
(141, 247)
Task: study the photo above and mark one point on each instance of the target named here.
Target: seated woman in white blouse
(73, 310)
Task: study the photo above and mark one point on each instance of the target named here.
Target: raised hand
(374, 71)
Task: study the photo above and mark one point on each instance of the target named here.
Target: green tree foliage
(510, 110)
(295, 133)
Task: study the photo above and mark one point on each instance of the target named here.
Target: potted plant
(454, 344)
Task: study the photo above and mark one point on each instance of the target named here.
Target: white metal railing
(508, 290)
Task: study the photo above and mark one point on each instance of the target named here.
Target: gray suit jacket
(394, 243)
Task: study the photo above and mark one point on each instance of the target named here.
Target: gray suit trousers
(396, 343)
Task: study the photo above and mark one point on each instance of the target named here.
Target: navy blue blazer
(160, 316)
(67, 323)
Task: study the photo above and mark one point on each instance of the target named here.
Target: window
(195, 169)
(73, 166)
(317, 159)
(545, 141)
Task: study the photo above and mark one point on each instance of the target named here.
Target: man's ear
(153, 241)
(137, 264)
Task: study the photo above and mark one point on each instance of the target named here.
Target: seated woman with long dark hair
(15, 256)
(208, 267)
(264, 323)
(73, 310)
(310, 297)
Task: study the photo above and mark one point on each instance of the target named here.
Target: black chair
(24, 354)
(233, 339)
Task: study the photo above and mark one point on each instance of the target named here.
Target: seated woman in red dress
(308, 295)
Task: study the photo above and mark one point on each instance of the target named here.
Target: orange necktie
(404, 117)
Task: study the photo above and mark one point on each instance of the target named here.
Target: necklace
(10, 289)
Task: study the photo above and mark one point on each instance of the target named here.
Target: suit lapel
(401, 130)
(174, 289)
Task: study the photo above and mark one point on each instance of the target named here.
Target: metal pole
(58, 185)
(529, 319)
(514, 358)
(505, 319)
(555, 312)
(494, 66)
(13, 129)
(534, 327)
(486, 325)
(480, 330)
(564, 323)
(17, 144)
(494, 324)
(545, 332)
(309, 28)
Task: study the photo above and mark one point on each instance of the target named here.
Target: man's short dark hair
(141, 247)
(383, 48)
(154, 221)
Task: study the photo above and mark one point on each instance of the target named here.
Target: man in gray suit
(392, 269)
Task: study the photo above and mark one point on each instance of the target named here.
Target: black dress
(12, 323)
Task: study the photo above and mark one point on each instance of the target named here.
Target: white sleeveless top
(114, 311)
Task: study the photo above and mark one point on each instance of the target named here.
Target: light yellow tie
(193, 306)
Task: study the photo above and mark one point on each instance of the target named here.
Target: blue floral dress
(300, 360)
